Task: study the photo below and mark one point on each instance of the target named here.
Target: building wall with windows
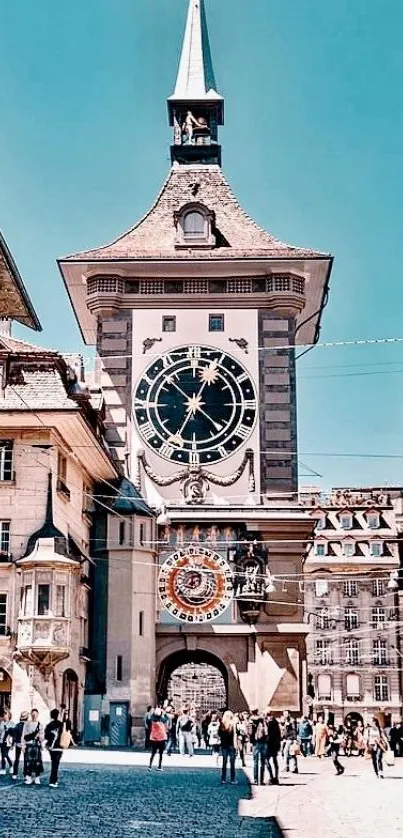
(354, 644)
(52, 457)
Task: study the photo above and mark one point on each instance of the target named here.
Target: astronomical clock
(195, 405)
(195, 585)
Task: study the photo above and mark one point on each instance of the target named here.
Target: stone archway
(196, 678)
(70, 696)
(5, 690)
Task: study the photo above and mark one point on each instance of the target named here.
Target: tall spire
(196, 79)
(196, 108)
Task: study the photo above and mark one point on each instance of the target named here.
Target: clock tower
(196, 313)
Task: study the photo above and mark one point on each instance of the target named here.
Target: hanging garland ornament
(195, 585)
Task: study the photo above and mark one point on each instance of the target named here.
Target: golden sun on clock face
(195, 585)
(195, 404)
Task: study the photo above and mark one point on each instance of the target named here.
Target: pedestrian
(147, 727)
(242, 736)
(213, 735)
(258, 738)
(184, 730)
(171, 728)
(53, 734)
(321, 735)
(377, 744)
(17, 741)
(305, 732)
(273, 747)
(228, 745)
(6, 741)
(291, 747)
(335, 741)
(158, 736)
(32, 738)
(394, 739)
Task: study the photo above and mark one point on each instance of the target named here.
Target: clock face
(195, 585)
(195, 404)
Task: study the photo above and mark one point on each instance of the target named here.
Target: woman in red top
(158, 735)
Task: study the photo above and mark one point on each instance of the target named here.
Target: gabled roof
(196, 80)
(14, 300)
(154, 236)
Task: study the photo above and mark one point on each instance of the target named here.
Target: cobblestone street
(112, 795)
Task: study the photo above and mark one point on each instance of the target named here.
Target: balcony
(44, 634)
(279, 292)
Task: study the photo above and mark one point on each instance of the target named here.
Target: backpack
(186, 727)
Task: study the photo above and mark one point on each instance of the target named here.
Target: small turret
(196, 109)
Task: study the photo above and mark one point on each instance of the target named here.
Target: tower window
(216, 323)
(169, 324)
(141, 623)
(122, 533)
(119, 668)
(194, 225)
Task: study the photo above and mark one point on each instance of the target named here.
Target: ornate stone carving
(196, 480)
(148, 343)
(241, 342)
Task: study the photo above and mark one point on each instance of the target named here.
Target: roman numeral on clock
(166, 450)
(243, 431)
(194, 352)
(222, 451)
(250, 404)
(147, 430)
(168, 361)
(242, 377)
(194, 459)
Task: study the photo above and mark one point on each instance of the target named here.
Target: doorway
(5, 690)
(118, 724)
(70, 697)
(198, 679)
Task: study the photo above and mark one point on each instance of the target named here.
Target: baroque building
(195, 314)
(52, 456)
(352, 603)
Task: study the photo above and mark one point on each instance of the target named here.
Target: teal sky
(312, 147)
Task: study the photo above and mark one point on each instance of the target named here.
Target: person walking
(305, 732)
(335, 741)
(213, 736)
(242, 736)
(321, 735)
(291, 746)
(258, 738)
(228, 745)
(32, 738)
(377, 744)
(184, 730)
(6, 741)
(273, 747)
(53, 733)
(158, 736)
(147, 727)
(17, 741)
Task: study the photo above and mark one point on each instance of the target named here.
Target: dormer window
(348, 548)
(375, 548)
(373, 520)
(320, 548)
(321, 523)
(194, 224)
(346, 521)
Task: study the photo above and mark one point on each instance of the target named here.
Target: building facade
(352, 603)
(52, 458)
(195, 313)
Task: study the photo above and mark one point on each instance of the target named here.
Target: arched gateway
(194, 677)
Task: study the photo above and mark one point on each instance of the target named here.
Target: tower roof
(196, 81)
(15, 303)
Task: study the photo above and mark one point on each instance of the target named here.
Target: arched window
(194, 225)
